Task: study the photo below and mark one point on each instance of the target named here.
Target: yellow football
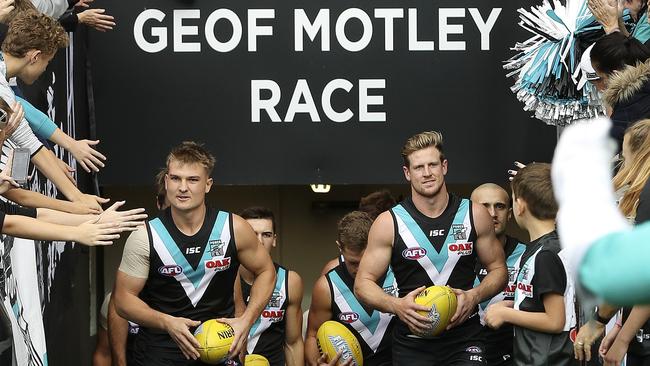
(442, 301)
(215, 339)
(256, 360)
(333, 337)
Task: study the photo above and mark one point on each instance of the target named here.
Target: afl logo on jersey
(348, 318)
(462, 248)
(170, 270)
(218, 265)
(414, 253)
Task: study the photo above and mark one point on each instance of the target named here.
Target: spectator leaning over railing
(31, 42)
(47, 224)
(82, 150)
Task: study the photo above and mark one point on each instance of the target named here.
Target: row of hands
(94, 18)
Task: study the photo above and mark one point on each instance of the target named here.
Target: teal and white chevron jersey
(371, 327)
(434, 251)
(513, 250)
(267, 334)
(190, 276)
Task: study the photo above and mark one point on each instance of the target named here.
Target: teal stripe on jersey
(439, 259)
(371, 322)
(516, 254)
(390, 277)
(194, 275)
(279, 280)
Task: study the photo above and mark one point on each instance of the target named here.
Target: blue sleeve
(40, 123)
(617, 267)
(642, 29)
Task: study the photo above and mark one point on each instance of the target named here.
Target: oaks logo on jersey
(459, 231)
(509, 291)
(216, 247)
(276, 299)
(349, 317)
(474, 349)
(462, 248)
(170, 270)
(218, 265)
(414, 253)
(525, 289)
(273, 316)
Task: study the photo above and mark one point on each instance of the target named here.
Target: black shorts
(163, 354)
(498, 346)
(461, 346)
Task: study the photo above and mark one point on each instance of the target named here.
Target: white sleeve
(23, 136)
(53, 8)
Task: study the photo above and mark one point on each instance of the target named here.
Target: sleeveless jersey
(191, 277)
(266, 336)
(434, 251)
(371, 327)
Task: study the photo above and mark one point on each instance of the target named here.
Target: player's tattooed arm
(320, 311)
(294, 348)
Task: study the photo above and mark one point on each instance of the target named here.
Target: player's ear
(208, 185)
(407, 175)
(445, 164)
(338, 245)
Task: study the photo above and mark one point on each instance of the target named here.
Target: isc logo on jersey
(348, 318)
(414, 253)
(526, 290)
(170, 270)
(218, 265)
(273, 316)
(462, 248)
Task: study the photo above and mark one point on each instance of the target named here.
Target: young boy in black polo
(542, 311)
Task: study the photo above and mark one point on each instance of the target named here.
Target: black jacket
(628, 94)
